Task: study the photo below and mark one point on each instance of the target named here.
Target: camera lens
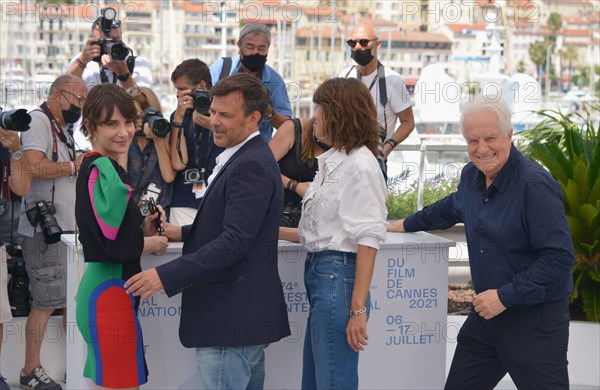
(118, 51)
(161, 127)
(17, 120)
(201, 101)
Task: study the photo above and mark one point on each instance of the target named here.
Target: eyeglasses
(363, 42)
(80, 99)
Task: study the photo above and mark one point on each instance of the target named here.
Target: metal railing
(427, 144)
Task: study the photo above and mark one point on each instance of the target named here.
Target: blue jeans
(236, 368)
(329, 362)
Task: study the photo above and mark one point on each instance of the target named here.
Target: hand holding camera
(10, 140)
(90, 50)
(158, 126)
(155, 220)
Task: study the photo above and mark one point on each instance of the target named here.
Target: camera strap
(383, 98)
(58, 131)
(149, 160)
(130, 65)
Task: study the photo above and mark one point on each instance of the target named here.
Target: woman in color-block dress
(113, 235)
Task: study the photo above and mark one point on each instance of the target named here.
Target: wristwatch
(270, 116)
(124, 77)
(17, 154)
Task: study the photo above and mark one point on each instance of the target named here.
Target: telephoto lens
(16, 120)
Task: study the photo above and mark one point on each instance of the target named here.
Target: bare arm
(407, 124)
(90, 51)
(184, 102)
(19, 179)
(289, 234)
(164, 158)
(396, 226)
(356, 331)
(283, 140)
(278, 119)
(42, 168)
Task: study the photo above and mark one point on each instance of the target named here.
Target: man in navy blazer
(232, 298)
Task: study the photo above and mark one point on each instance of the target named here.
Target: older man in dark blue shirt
(521, 256)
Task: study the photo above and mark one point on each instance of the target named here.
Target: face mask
(321, 144)
(362, 57)
(71, 115)
(255, 62)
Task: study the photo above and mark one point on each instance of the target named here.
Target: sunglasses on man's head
(362, 42)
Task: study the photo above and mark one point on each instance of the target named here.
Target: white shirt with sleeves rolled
(344, 206)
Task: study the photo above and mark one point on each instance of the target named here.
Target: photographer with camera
(149, 160)
(193, 150)
(106, 59)
(391, 98)
(46, 211)
(295, 148)
(15, 181)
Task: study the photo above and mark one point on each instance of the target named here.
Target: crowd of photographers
(169, 162)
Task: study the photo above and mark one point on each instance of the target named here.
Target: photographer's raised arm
(90, 50)
(42, 168)
(179, 153)
(164, 155)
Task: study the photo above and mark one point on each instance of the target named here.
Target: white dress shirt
(344, 206)
(225, 155)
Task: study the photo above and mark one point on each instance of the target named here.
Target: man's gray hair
(255, 27)
(483, 103)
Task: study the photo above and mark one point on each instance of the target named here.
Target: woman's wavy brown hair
(349, 114)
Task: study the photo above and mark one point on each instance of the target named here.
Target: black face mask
(71, 115)
(362, 57)
(255, 62)
(321, 144)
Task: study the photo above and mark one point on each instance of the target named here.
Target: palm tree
(554, 23)
(569, 54)
(537, 54)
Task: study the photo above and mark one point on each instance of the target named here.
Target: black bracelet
(177, 125)
(392, 142)
(293, 186)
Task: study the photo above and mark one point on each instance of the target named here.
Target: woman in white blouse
(342, 226)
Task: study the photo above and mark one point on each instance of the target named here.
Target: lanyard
(57, 131)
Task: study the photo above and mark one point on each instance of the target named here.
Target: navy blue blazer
(231, 290)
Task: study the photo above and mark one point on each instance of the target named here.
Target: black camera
(158, 124)
(291, 215)
(14, 250)
(193, 175)
(202, 101)
(43, 213)
(109, 45)
(148, 206)
(16, 120)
